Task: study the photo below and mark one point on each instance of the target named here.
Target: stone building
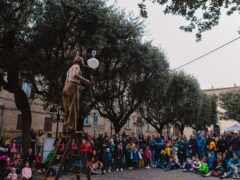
(11, 122)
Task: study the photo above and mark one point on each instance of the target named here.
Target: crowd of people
(205, 154)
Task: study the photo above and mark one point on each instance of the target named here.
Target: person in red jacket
(90, 146)
(84, 148)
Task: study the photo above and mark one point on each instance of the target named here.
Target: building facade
(11, 122)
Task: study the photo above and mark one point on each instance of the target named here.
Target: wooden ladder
(62, 158)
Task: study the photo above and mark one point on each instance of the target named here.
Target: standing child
(26, 172)
(12, 175)
(107, 160)
(148, 156)
(141, 158)
(118, 156)
(168, 150)
(135, 157)
(13, 149)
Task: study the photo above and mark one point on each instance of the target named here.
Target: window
(95, 122)
(19, 122)
(26, 87)
(128, 124)
(48, 124)
(86, 121)
(148, 126)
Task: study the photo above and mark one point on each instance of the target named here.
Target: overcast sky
(220, 69)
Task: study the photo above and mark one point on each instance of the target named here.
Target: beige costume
(70, 98)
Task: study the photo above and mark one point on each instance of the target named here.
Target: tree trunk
(181, 128)
(117, 129)
(80, 122)
(22, 105)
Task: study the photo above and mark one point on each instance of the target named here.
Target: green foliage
(230, 103)
(207, 112)
(179, 101)
(202, 15)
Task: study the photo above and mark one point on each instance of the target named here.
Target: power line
(206, 54)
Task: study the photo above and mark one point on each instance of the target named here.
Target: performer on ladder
(70, 94)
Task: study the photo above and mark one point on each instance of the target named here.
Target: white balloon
(93, 63)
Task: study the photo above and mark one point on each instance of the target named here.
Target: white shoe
(39, 171)
(104, 172)
(117, 170)
(109, 170)
(121, 169)
(148, 167)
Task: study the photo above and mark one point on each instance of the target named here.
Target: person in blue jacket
(107, 160)
(201, 142)
(233, 166)
(158, 142)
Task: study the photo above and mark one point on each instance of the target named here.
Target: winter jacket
(158, 142)
(232, 161)
(118, 154)
(212, 146)
(40, 139)
(107, 156)
(201, 143)
(135, 156)
(204, 168)
(235, 143)
(227, 140)
(221, 146)
(148, 154)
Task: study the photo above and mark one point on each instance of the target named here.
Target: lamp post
(56, 116)
(1, 118)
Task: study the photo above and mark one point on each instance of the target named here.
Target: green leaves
(230, 102)
(202, 15)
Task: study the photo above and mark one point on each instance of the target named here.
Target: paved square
(144, 174)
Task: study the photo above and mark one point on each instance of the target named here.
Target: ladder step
(59, 155)
(83, 175)
(75, 155)
(65, 137)
(78, 165)
(56, 167)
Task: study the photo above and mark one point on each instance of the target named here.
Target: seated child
(39, 162)
(176, 161)
(12, 175)
(188, 165)
(95, 166)
(18, 163)
(196, 164)
(163, 161)
(26, 172)
(148, 157)
(220, 167)
(204, 167)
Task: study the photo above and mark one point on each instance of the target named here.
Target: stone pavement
(143, 174)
